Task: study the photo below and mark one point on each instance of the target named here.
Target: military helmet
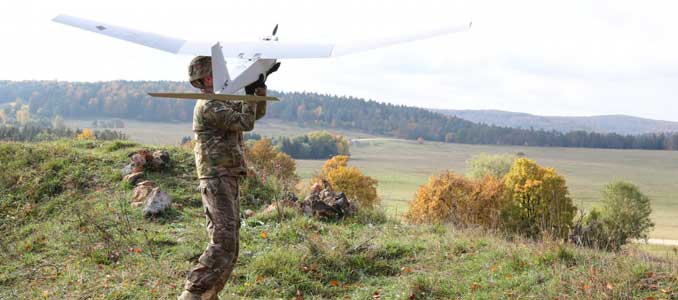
(199, 67)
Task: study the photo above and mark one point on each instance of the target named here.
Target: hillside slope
(68, 232)
(621, 124)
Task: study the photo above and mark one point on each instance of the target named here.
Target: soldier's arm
(226, 117)
(261, 105)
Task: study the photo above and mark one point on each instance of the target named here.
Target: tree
(625, 213)
(539, 201)
(23, 115)
(484, 164)
(58, 122)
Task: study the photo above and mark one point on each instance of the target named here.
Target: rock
(162, 155)
(157, 202)
(126, 170)
(141, 191)
(249, 213)
(133, 177)
(324, 203)
(138, 162)
(322, 210)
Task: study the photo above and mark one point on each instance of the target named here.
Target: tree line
(128, 99)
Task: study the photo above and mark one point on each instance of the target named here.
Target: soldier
(219, 160)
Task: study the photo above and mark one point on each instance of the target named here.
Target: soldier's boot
(186, 295)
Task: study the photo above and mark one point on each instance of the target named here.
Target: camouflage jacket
(218, 128)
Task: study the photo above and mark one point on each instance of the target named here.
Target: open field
(86, 241)
(401, 166)
(159, 133)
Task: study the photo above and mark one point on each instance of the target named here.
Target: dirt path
(659, 242)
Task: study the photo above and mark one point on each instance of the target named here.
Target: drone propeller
(275, 30)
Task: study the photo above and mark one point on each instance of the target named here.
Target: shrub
(350, 180)
(484, 164)
(86, 134)
(625, 215)
(538, 201)
(626, 211)
(267, 160)
(451, 198)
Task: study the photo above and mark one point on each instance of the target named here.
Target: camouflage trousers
(220, 198)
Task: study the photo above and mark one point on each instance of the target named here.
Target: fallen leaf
(406, 270)
(299, 296)
(609, 286)
(334, 283)
(264, 234)
(474, 287)
(493, 269)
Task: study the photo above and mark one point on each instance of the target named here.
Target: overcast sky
(541, 57)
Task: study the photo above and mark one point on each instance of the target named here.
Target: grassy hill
(621, 124)
(402, 165)
(68, 232)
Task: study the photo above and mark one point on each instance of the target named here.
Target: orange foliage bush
(267, 160)
(452, 198)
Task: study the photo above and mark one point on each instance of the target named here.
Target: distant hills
(621, 124)
(128, 99)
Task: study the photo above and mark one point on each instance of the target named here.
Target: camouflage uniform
(218, 128)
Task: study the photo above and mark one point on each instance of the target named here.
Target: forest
(128, 99)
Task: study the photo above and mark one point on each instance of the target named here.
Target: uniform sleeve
(230, 118)
(261, 110)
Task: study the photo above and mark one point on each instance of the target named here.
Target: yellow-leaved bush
(350, 180)
(539, 201)
(452, 198)
(86, 134)
(529, 200)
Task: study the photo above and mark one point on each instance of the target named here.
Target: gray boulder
(157, 202)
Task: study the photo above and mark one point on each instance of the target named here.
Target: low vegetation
(350, 180)
(625, 215)
(69, 232)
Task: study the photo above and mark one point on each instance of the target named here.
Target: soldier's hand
(260, 84)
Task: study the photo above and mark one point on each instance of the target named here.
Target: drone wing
(257, 49)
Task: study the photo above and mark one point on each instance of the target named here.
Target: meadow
(401, 166)
(69, 232)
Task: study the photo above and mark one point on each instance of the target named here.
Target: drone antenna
(275, 30)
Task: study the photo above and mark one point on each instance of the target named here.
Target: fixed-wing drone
(248, 60)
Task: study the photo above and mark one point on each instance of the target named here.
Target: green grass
(402, 166)
(161, 133)
(68, 232)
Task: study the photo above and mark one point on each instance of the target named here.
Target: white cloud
(543, 57)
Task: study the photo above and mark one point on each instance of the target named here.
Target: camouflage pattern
(218, 130)
(199, 67)
(221, 206)
(220, 163)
